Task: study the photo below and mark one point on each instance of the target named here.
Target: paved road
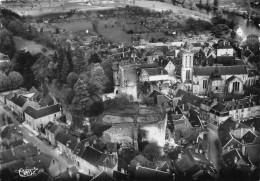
(47, 149)
(214, 155)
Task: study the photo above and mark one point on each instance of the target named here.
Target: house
(51, 130)
(30, 102)
(229, 142)
(49, 164)
(236, 159)
(10, 137)
(120, 176)
(180, 122)
(70, 175)
(39, 118)
(66, 143)
(253, 77)
(102, 176)
(16, 104)
(191, 100)
(148, 174)
(194, 164)
(239, 109)
(194, 119)
(168, 66)
(10, 156)
(153, 75)
(93, 161)
(239, 31)
(225, 49)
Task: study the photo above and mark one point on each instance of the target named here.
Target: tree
(7, 45)
(57, 30)
(94, 58)
(152, 151)
(23, 63)
(107, 67)
(88, 89)
(5, 67)
(139, 160)
(16, 79)
(72, 79)
(216, 3)
(233, 34)
(220, 30)
(96, 108)
(252, 43)
(69, 95)
(17, 27)
(4, 82)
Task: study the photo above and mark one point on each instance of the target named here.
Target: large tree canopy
(88, 89)
(16, 79)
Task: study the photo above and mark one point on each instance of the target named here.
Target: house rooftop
(148, 174)
(18, 100)
(222, 70)
(42, 112)
(66, 139)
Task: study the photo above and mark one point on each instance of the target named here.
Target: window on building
(205, 84)
(216, 88)
(236, 86)
(78, 164)
(187, 74)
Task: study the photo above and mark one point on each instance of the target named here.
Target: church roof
(222, 70)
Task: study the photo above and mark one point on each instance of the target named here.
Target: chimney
(235, 159)
(137, 166)
(69, 172)
(78, 176)
(179, 156)
(173, 177)
(243, 148)
(228, 148)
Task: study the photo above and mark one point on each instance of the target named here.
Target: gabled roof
(119, 175)
(18, 100)
(228, 138)
(247, 53)
(194, 118)
(148, 174)
(229, 158)
(42, 112)
(49, 125)
(19, 152)
(225, 46)
(226, 60)
(79, 149)
(223, 70)
(249, 137)
(192, 162)
(47, 101)
(102, 176)
(156, 71)
(252, 73)
(91, 155)
(66, 139)
(189, 97)
(220, 107)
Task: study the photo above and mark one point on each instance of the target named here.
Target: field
(113, 32)
(75, 26)
(31, 46)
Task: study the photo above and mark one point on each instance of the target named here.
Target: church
(217, 78)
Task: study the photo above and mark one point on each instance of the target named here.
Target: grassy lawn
(75, 26)
(115, 33)
(31, 46)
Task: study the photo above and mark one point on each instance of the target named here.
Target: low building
(39, 118)
(16, 104)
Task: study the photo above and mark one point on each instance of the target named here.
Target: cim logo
(26, 172)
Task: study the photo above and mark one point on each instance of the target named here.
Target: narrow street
(214, 155)
(47, 149)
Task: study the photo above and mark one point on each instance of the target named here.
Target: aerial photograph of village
(129, 90)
